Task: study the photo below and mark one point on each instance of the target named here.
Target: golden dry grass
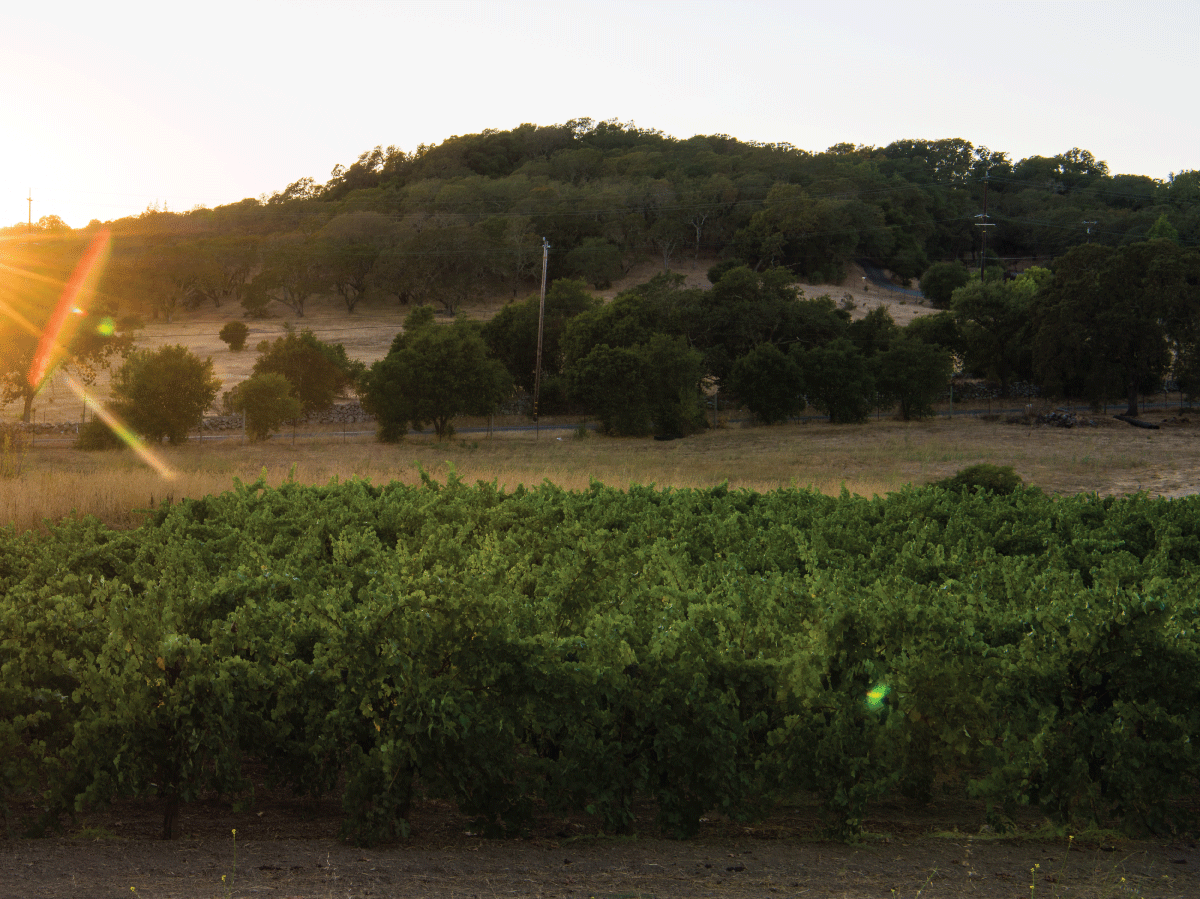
(868, 459)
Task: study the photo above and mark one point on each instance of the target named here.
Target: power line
(984, 225)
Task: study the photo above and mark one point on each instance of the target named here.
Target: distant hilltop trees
(468, 216)
(1087, 284)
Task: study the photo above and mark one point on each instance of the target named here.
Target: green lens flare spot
(106, 327)
(877, 695)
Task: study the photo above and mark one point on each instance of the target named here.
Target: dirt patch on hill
(854, 291)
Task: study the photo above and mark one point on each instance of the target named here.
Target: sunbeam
(72, 302)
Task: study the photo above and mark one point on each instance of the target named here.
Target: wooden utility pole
(985, 224)
(30, 198)
(537, 372)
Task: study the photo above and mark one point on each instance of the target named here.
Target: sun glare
(12, 314)
(74, 296)
(71, 309)
(118, 427)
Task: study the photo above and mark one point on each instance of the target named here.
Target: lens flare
(72, 308)
(57, 332)
(13, 315)
(877, 695)
(118, 427)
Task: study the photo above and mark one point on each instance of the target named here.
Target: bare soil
(289, 848)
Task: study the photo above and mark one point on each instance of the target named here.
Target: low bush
(998, 479)
(235, 333)
(96, 435)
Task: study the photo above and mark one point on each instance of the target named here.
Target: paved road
(557, 430)
(878, 279)
(286, 436)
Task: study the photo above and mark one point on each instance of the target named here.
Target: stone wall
(338, 414)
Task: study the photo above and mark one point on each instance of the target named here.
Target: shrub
(267, 403)
(235, 334)
(941, 280)
(96, 435)
(998, 479)
(717, 272)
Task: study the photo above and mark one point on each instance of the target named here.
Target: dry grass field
(48, 482)
(868, 459)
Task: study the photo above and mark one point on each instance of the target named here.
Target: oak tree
(164, 392)
(432, 374)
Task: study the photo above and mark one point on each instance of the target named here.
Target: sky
(110, 108)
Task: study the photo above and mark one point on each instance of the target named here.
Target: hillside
(368, 333)
(460, 225)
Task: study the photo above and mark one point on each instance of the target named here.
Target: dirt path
(290, 849)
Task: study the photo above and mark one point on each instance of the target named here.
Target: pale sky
(109, 108)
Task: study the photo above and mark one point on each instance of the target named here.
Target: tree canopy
(649, 387)
(92, 339)
(770, 383)
(1112, 318)
(317, 371)
(994, 320)
(512, 335)
(914, 375)
(432, 374)
(838, 381)
(267, 401)
(164, 393)
(442, 222)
